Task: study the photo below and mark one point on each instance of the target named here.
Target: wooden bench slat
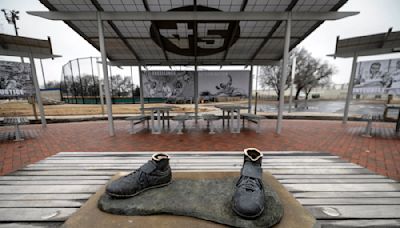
(358, 223)
(343, 187)
(35, 214)
(49, 189)
(54, 182)
(45, 178)
(46, 196)
(41, 203)
(332, 180)
(30, 224)
(355, 211)
(339, 194)
(347, 201)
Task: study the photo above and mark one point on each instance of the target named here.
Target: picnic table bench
(336, 192)
(137, 119)
(253, 118)
(181, 119)
(16, 122)
(394, 107)
(210, 118)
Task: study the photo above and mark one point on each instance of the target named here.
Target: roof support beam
(163, 62)
(199, 37)
(191, 16)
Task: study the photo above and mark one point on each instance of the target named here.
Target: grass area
(18, 108)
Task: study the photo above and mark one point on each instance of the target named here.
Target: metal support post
(105, 73)
(284, 72)
(350, 89)
(250, 88)
(292, 84)
(37, 90)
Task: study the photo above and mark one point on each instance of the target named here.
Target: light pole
(12, 17)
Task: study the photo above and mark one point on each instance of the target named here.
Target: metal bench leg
(211, 127)
(153, 130)
(223, 118)
(18, 134)
(168, 118)
(258, 127)
(132, 131)
(368, 129)
(163, 120)
(238, 126)
(180, 127)
(158, 122)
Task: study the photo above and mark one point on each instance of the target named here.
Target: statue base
(204, 195)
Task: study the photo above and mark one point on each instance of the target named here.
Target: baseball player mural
(15, 79)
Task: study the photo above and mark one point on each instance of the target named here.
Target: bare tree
(270, 77)
(320, 78)
(310, 74)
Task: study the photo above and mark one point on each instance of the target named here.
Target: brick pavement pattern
(380, 153)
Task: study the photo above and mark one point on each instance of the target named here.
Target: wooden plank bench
(253, 118)
(136, 120)
(16, 122)
(336, 192)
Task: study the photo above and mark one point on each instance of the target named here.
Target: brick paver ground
(380, 153)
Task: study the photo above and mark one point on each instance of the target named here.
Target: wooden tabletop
(333, 190)
(231, 107)
(167, 108)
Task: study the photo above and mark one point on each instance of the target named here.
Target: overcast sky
(376, 16)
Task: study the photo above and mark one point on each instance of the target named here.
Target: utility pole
(12, 17)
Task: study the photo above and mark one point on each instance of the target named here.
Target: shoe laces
(250, 184)
(140, 179)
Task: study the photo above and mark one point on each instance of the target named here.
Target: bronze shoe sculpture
(248, 199)
(153, 174)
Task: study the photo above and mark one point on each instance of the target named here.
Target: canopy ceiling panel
(90, 29)
(237, 50)
(116, 49)
(170, 42)
(273, 49)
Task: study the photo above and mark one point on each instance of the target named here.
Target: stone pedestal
(207, 204)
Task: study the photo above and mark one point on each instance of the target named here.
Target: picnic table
(336, 192)
(233, 111)
(160, 110)
(16, 122)
(395, 107)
